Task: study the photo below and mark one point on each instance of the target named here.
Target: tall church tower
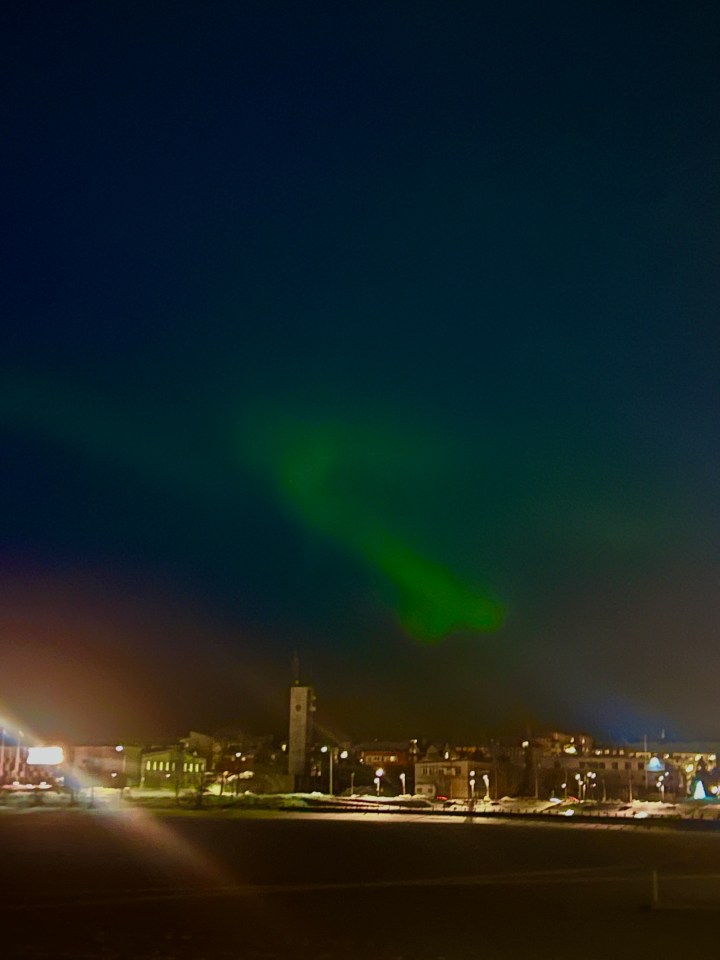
(302, 708)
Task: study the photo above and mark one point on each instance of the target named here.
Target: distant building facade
(441, 779)
(172, 768)
(111, 765)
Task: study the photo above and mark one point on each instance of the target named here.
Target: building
(300, 734)
(13, 757)
(452, 779)
(110, 765)
(662, 770)
(383, 754)
(172, 768)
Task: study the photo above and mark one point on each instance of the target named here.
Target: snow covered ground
(102, 798)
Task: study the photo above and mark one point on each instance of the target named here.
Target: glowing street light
(379, 774)
(486, 781)
(329, 751)
(402, 781)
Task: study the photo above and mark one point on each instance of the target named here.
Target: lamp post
(486, 781)
(402, 781)
(329, 751)
(581, 786)
(16, 768)
(591, 777)
(379, 774)
(472, 786)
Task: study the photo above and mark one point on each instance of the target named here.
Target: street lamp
(329, 751)
(472, 785)
(590, 780)
(581, 786)
(379, 774)
(402, 781)
(486, 781)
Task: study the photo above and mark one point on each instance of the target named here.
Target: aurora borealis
(386, 335)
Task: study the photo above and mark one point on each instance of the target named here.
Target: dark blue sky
(461, 259)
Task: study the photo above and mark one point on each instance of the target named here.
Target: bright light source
(344, 755)
(569, 813)
(379, 772)
(525, 743)
(45, 756)
(119, 748)
(323, 749)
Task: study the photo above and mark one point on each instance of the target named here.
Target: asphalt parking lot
(135, 885)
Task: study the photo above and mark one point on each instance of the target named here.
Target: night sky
(383, 332)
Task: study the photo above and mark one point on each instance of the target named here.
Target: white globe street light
(379, 774)
(486, 781)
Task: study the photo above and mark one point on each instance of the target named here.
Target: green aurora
(333, 478)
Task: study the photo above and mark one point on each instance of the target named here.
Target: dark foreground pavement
(137, 886)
